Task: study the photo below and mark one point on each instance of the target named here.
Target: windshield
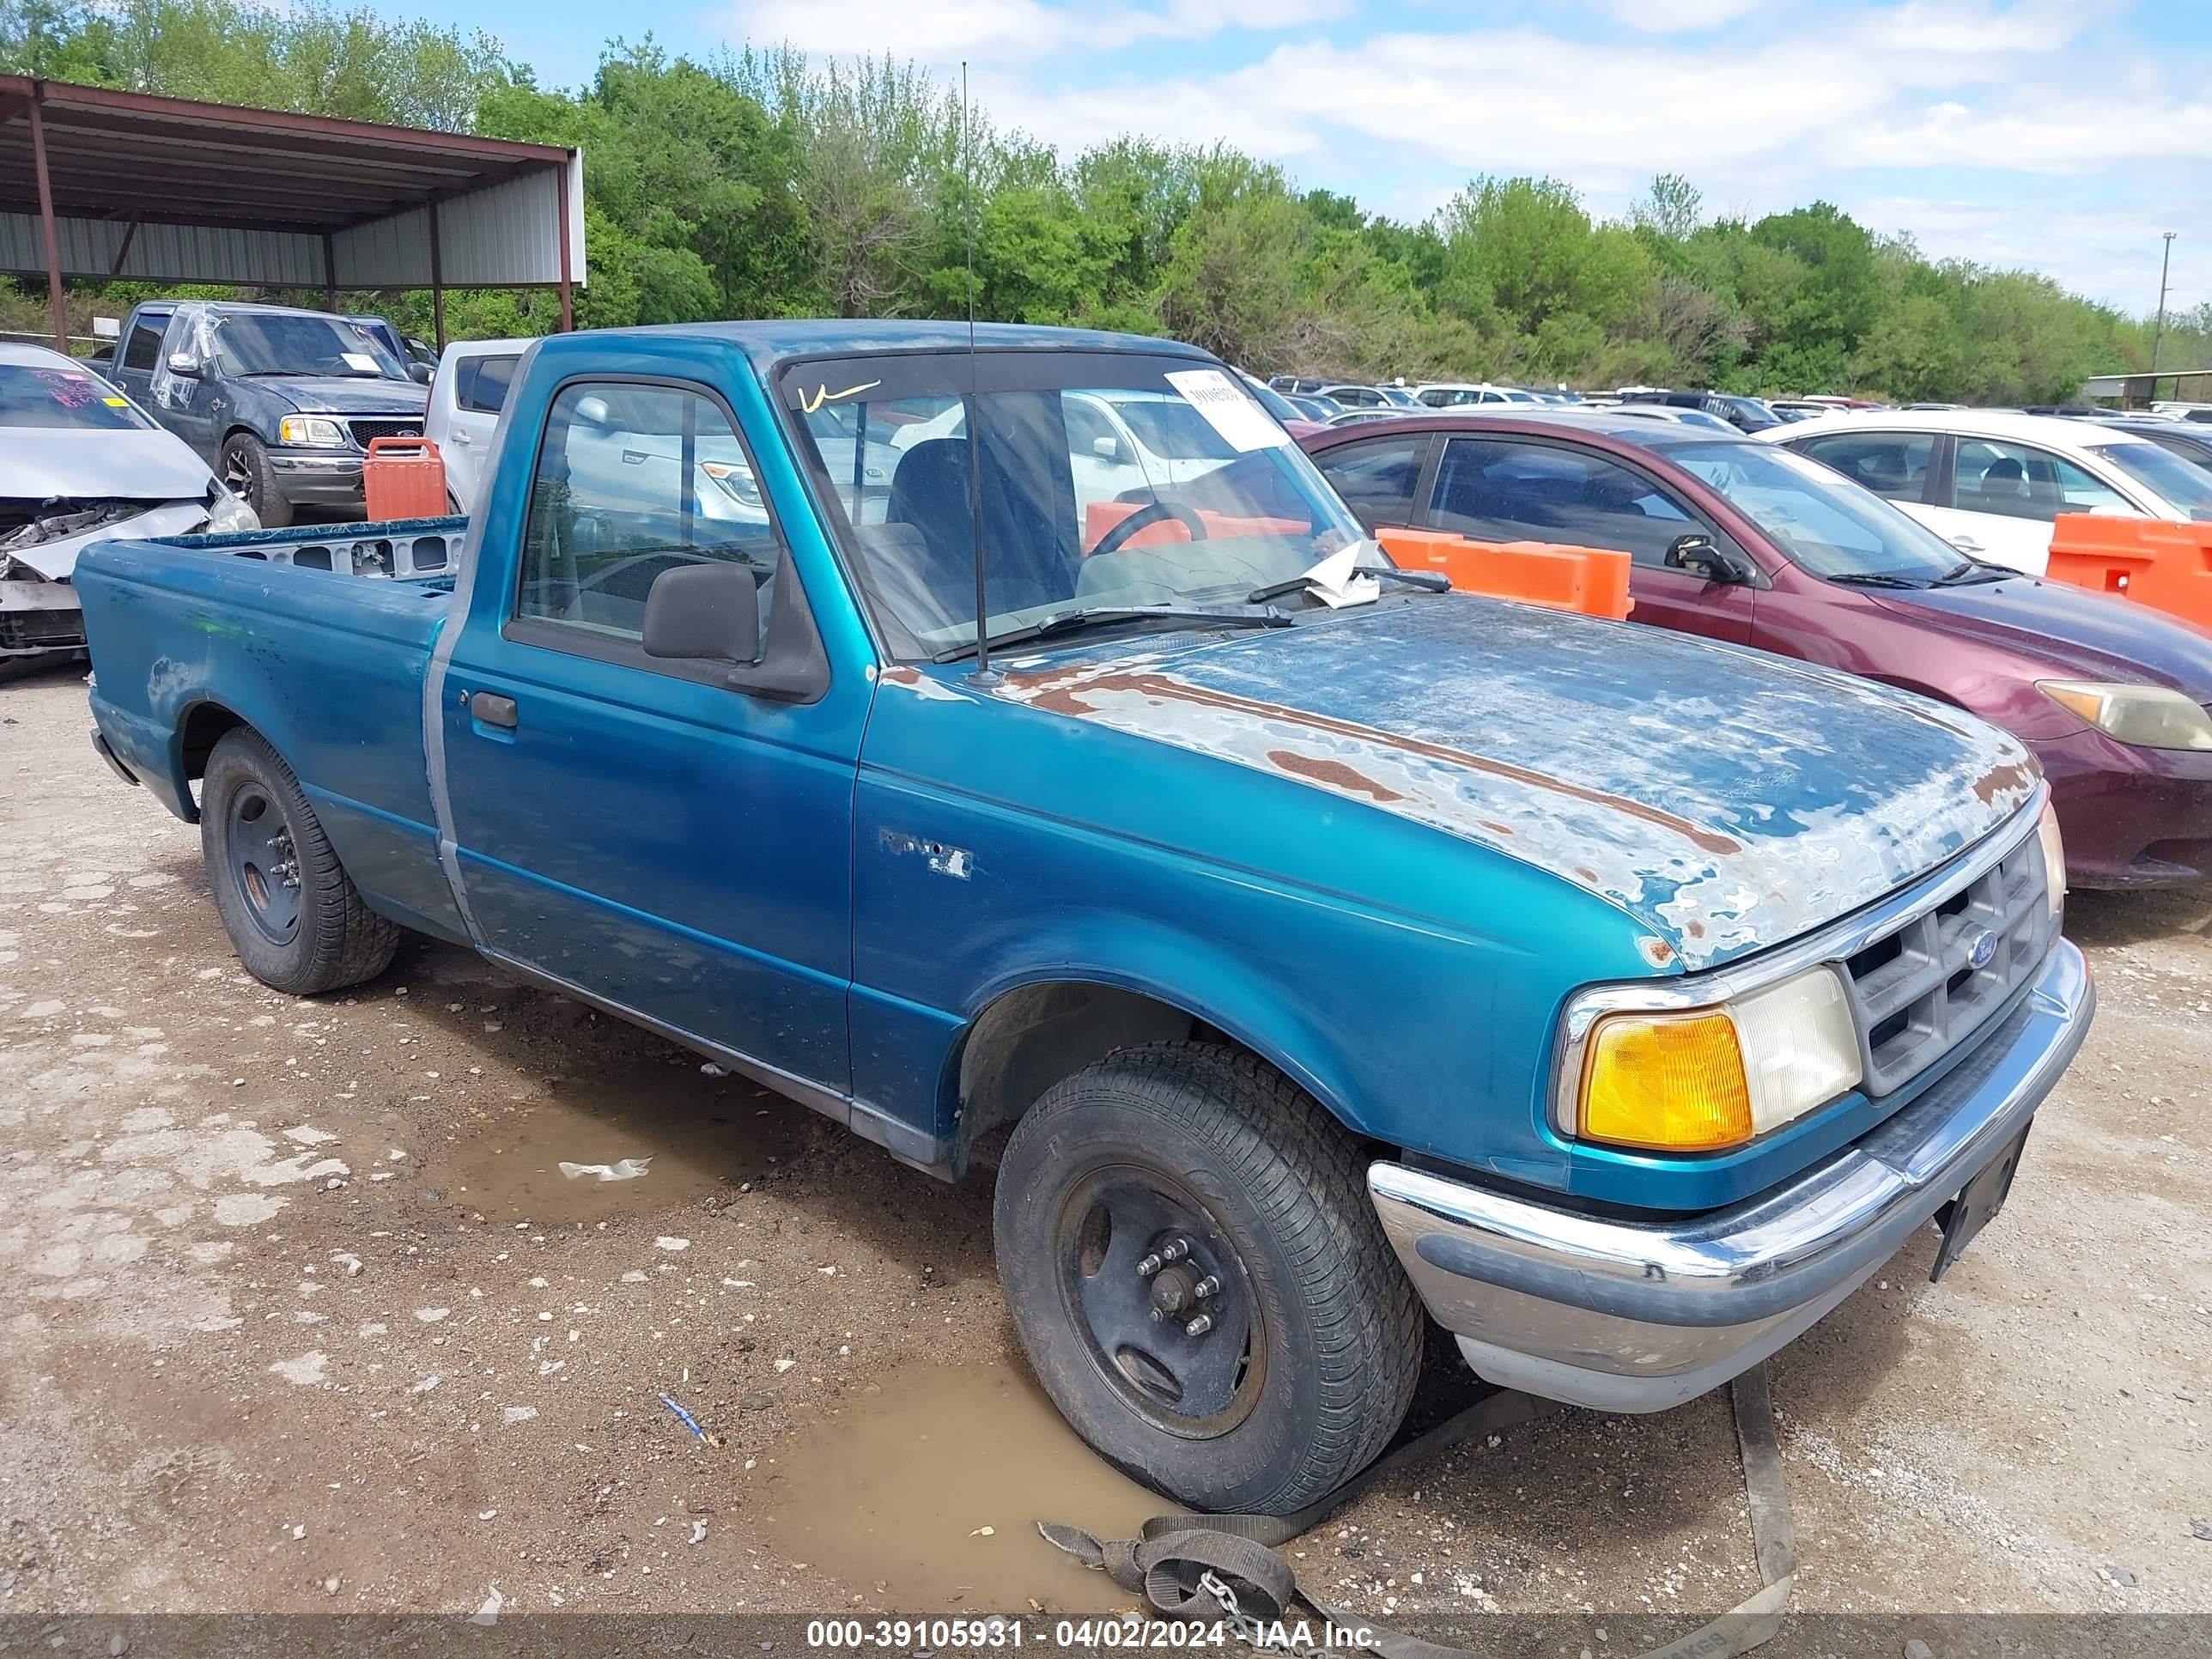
(280, 342)
(68, 398)
(1401, 397)
(1273, 401)
(1824, 522)
(1109, 479)
(2181, 483)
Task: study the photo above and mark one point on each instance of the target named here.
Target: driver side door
(630, 826)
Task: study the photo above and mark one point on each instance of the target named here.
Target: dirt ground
(300, 1314)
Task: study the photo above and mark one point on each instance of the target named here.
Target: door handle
(1965, 544)
(489, 709)
(460, 437)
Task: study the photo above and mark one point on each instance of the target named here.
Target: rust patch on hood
(1060, 691)
(2008, 779)
(1335, 774)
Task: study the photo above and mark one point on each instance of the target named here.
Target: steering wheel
(1154, 513)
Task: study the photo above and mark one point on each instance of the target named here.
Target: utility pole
(2157, 328)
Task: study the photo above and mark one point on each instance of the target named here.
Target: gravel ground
(302, 1317)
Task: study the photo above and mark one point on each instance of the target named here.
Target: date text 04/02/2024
(998, 1631)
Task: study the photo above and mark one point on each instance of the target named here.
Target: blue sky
(2060, 135)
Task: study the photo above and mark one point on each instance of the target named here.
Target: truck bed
(276, 628)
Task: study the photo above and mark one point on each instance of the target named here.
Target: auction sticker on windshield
(1242, 423)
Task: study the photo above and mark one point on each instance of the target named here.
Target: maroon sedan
(1750, 543)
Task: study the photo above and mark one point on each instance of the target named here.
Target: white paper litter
(628, 1169)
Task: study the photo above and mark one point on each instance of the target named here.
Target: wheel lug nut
(1151, 1265)
(1176, 1250)
(1200, 1325)
(1206, 1287)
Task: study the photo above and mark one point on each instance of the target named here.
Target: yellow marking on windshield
(823, 395)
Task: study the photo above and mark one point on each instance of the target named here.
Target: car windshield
(2182, 484)
(1273, 401)
(1821, 519)
(1401, 397)
(1108, 480)
(68, 398)
(279, 342)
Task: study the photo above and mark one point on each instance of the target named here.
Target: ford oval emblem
(1980, 948)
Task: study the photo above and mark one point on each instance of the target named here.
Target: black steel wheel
(294, 915)
(246, 472)
(1198, 1279)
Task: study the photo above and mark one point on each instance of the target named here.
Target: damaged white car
(79, 462)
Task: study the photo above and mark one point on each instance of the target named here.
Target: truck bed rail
(403, 550)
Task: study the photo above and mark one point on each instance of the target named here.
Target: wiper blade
(1875, 578)
(1067, 622)
(1974, 570)
(1429, 581)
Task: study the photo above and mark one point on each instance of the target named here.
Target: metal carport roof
(103, 184)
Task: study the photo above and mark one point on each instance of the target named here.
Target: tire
(294, 915)
(1273, 1194)
(246, 469)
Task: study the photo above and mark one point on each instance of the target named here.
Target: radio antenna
(984, 676)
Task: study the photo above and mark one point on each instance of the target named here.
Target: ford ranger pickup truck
(1305, 947)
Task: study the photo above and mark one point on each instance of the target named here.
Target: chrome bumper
(1630, 1316)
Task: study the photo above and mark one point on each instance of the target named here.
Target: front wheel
(294, 915)
(1198, 1279)
(247, 471)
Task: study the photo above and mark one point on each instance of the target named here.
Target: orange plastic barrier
(2166, 565)
(1591, 580)
(1099, 517)
(403, 478)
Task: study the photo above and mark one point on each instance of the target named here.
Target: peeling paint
(1728, 799)
(957, 862)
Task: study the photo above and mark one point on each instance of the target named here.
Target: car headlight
(736, 481)
(317, 431)
(2148, 716)
(227, 513)
(1706, 1079)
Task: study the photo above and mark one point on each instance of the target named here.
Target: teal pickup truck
(1012, 749)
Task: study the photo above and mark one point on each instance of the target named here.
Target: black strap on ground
(1172, 1559)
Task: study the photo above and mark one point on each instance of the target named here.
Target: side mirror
(593, 411)
(1106, 448)
(1699, 554)
(419, 373)
(183, 365)
(708, 612)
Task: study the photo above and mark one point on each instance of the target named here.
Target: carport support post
(57, 306)
(437, 283)
(567, 302)
(330, 272)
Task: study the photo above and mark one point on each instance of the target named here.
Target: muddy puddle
(926, 1496)
(691, 1135)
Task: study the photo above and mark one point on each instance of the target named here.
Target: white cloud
(944, 32)
(1678, 17)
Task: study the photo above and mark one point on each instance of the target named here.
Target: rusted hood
(1728, 799)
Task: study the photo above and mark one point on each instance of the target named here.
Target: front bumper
(39, 618)
(317, 477)
(1624, 1316)
(2131, 817)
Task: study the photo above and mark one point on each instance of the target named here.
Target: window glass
(1377, 479)
(144, 350)
(484, 382)
(1893, 465)
(1502, 491)
(2018, 481)
(300, 343)
(71, 399)
(1829, 527)
(2184, 484)
(633, 480)
(1228, 502)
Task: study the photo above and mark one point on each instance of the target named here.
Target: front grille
(35, 630)
(364, 430)
(1917, 991)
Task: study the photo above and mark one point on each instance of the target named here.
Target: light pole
(2157, 328)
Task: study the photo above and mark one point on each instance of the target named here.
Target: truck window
(144, 350)
(482, 382)
(633, 480)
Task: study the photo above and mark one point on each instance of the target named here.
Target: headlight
(227, 513)
(2150, 716)
(317, 431)
(1708, 1079)
(2054, 860)
(737, 482)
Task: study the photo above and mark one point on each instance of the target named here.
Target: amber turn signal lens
(1667, 1083)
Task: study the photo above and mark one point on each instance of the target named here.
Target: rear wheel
(1200, 1281)
(247, 471)
(294, 915)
